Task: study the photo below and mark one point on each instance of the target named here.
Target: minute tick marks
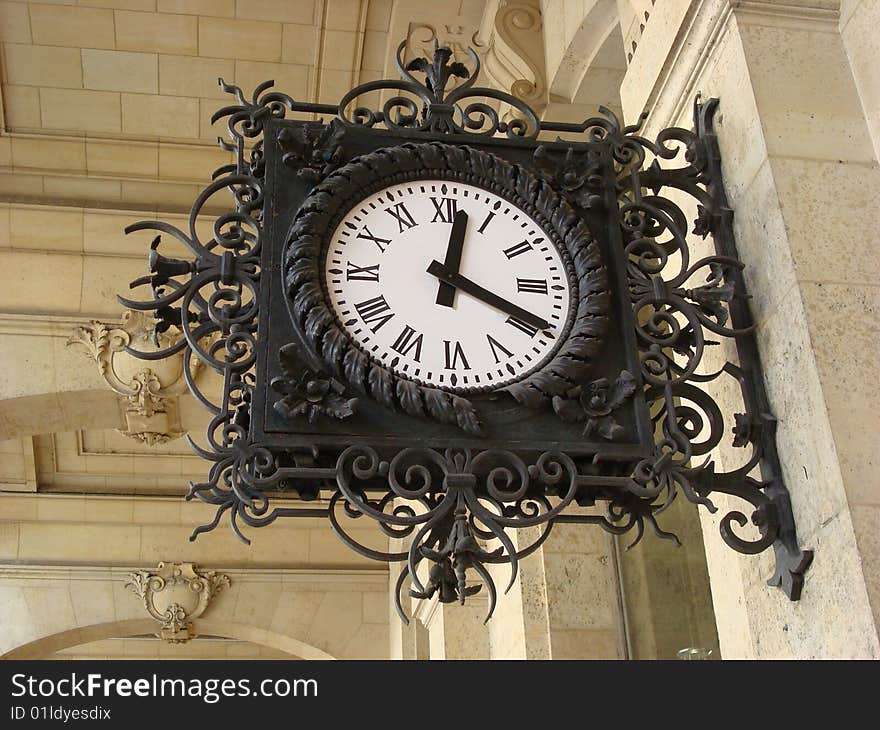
(448, 284)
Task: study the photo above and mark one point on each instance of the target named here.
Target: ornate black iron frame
(448, 504)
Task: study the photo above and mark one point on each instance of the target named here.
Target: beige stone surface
(31, 65)
(342, 14)
(194, 76)
(37, 152)
(64, 25)
(48, 230)
(217, 8)
(866, 519)
(22, 106)
(842, 322)
(456, 632)
(4, 226)
(761, 233)
(118, 4)
(101, 280)
(781, 81)
(379, 14)
(160, 196)
(15, 25)
(252, 40)
(858, 20)
(828, 247)
(290, 78)
(160, 116)
(61, 274)
(120, 71)
(189, 162)
(157, 32)
(108, 157)
(81, 190)
(9, 540)
(302, 11)
(339, 48)
(63, 607)
(299, 43)
(21, 186)
(334, 84)
(95, 111)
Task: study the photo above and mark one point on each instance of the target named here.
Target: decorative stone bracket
(175, 594)
(149, 388)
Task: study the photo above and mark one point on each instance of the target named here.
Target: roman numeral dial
(447, 284)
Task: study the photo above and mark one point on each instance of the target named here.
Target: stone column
(583, 598)
(520, 627)
(453, 631)
(859, 20)
(802, 176)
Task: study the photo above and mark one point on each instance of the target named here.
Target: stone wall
(800, 168)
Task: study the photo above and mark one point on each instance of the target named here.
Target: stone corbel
(148, 389)
(511, 41)
(176, 594)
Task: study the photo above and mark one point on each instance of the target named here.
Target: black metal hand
(446, 292)
(453, 278)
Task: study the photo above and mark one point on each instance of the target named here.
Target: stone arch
(581, 47)
(45, 645)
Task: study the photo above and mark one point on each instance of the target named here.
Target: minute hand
(484, 295)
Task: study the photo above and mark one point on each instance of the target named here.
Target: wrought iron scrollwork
(466, 109)
(455, 509)
(674, 319)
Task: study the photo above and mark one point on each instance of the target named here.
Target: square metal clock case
(507, 423)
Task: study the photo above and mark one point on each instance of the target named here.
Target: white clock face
(505, 304)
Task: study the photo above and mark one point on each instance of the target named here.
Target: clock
(447, 283)
(429, 275)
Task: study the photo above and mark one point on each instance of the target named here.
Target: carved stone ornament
(149, 388)
(175, 594)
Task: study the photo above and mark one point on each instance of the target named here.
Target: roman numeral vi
(453, 354)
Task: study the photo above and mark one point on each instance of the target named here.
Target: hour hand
(446, 292)
(453, 278)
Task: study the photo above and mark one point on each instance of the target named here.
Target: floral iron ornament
(445, 505)
(310, 395)
(595, 403)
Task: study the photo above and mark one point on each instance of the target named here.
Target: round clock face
(447, 284)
